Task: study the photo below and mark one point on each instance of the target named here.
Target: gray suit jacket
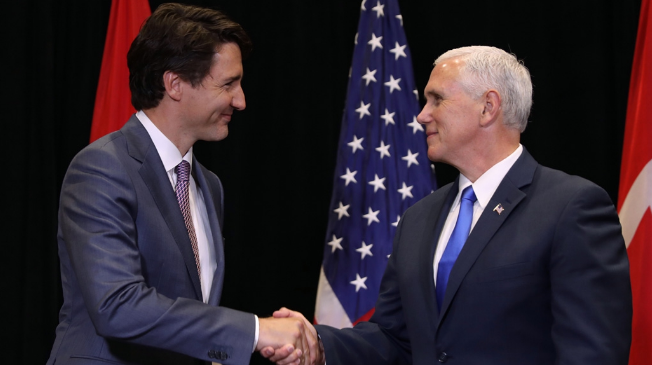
(130, 284)
(544, 282)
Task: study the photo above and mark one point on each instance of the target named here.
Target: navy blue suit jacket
(544, 282)
(130, 284)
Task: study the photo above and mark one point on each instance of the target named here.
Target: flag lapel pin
(499, 208)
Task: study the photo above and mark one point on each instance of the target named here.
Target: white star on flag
(359, 282)
(335, 243)
(363, 109)
(411, 158)
(369, 76)
(416, 93)
(400, 17)
(379, 10)
(398, 51)
(388, 117)
(393, 84)
(342, 211)
(362, 5)
(377, 183)
(375, 42)
(405, 192)
(395, 224)
(415, 125)
(356, 144)
(383, 149)
(371, 216)
(365, 250)
(349, 176)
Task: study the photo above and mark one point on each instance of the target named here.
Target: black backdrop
(277, 163)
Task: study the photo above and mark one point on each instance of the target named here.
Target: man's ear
(491, 108)
(172, 83)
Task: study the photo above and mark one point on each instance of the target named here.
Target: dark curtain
(277, 163)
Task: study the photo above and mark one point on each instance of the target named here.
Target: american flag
(382, 167)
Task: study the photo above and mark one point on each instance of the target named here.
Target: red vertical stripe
(637, 149)
(113, 98)
(637, 153)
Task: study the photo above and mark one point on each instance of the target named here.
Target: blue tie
(455, 243)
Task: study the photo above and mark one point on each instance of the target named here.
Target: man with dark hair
(140, 220)
(513, 263)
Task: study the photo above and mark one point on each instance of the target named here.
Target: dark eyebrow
(233, 78)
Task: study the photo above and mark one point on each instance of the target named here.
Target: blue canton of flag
(382, 167)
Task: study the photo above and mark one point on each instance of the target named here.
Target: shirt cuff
(256, 335)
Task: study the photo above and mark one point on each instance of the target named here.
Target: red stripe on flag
(113, 98)
(637, 151)
(366, 317)
(634, 204)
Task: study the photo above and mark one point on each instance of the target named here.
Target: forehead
(227, 61)
(445, 76)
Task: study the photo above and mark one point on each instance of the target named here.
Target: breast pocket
(506, 272)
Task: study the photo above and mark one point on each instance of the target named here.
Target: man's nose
(238, 102)
(424, 117)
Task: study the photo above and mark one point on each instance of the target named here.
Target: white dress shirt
(484, 189)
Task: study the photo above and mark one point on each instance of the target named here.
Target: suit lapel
(438, 214)
(213, 201)
(141, 148)
(509, 196)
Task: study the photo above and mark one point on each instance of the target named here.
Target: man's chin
(434, 155)
(218, 135)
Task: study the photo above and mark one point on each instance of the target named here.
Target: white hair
(487, 68)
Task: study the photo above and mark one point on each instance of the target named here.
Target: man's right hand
(286, 340)
(282, 356)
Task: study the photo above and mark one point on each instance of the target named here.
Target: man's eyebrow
(433, 93)
(233, 78)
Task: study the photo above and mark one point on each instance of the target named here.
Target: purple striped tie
(182, 191)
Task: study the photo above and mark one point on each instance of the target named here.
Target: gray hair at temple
(487, 68)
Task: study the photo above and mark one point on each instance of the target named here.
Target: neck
(166, 120)
(484, 155)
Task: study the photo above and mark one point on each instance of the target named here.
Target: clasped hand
(288, 338)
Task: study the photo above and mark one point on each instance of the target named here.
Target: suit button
(222, 355)
(211, 354)
(443, 357)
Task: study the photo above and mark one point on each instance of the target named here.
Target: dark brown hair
(181, 39)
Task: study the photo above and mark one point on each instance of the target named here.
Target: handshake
(288, 338)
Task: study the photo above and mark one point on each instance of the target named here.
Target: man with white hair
(513, 262)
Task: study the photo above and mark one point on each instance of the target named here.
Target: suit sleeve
(382, 340)
(591, 294)
(97, 223)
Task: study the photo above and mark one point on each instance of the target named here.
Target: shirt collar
(169, 153)
(486, 185)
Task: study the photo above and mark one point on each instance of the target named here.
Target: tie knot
(469, 194)
(182, 170)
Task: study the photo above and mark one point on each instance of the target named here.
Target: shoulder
(559, 185)
(102, 167)
(102, 155)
